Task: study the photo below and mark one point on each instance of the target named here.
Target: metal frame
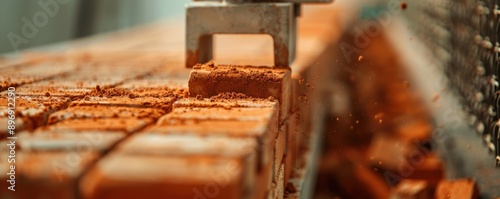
(277, 18)
(204, 19)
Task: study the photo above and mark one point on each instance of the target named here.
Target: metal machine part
(277, 18)
(464, 36)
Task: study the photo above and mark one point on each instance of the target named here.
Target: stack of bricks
(120, 117)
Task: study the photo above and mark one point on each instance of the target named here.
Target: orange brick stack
(115, 118)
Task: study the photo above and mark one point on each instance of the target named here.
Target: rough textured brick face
(260, 82)
(157, 85)
(31, 111)
(103, 112)
(125, 99)
(279, 151)
(223, 103)
(23, 74)
(39, 89)
(127, 125)
(279, 182)
(154, 83)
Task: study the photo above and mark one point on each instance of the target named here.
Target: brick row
(32, 72)
(223, 81)
(191, 133)
(30, 112)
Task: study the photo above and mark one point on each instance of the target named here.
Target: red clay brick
(292, 145)
(186, 145)
(31, 112)
(388, 152)
(42, 140)
(224, 103)
(234, 118)
(301, 117)
(264, 113)
(164, 103)
(279, 183)
(235, 122)
(88, 77)
(230, 128)
(430, 168)
(46, 175)
(279, 153)
(21, 125)
(151, 82)
(132, 176)
(457, 189)
(18, 75)
(157, 88)
(40, 89)
(102, 112)
(260, 82)
(127, 125)
(412, 189)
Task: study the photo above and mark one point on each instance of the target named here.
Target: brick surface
(102, 112)
(223, 103)
(256, 120)
(46, 175)
(127, 125)
(196, 145)
(412, 189)
(292, 145)
(57, 141)
(261, 82)
(279, 153)
(125, 99)
(155, 83)
(42, 89)
(31, 112)
(264, 132)
(18, 75)
(429, 168)
(132, 176)
(168, 91)
(279, 183)
(254, 114)
(389, 153)
(462, 188)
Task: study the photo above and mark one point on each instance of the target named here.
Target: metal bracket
(276, 18)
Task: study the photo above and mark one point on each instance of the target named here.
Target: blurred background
(76, 18)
